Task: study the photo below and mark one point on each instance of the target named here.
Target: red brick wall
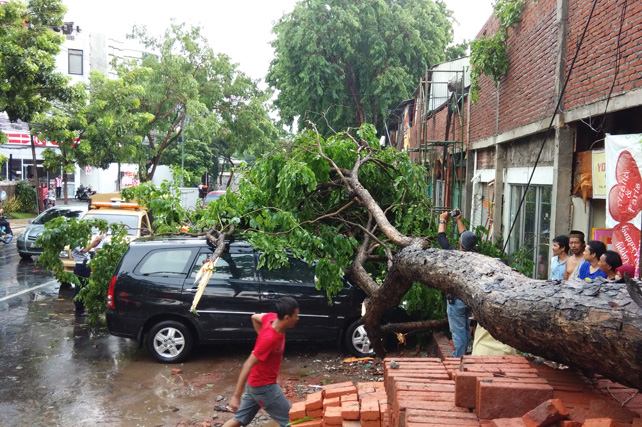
(486, 158)
(526, 92)
(594, 69)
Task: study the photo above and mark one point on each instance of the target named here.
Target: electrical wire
(550, 126)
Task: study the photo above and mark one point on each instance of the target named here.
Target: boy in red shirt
(261, 369)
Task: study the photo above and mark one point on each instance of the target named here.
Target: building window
(75, 61)
(531, 232)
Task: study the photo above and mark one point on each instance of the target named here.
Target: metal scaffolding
(444, 159)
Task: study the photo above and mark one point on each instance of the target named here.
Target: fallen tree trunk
(596, 327)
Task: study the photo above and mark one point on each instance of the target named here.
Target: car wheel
(169, 341)
(25, 256)
(357, 341)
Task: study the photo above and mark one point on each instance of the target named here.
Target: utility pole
(183, 158)
(35, 168)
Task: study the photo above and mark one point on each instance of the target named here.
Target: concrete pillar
(562, 181)
(564, 139)
(500, 164)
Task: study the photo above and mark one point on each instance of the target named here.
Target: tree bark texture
(595, 326)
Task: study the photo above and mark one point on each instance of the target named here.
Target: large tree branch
(594, 326)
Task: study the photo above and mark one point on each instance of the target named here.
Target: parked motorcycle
(84, 193)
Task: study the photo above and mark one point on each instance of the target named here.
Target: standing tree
(188, 83)
(99, 124)
(341, 63)
(28, 49)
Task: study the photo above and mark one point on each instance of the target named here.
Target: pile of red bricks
(344, 405)
(473, 391)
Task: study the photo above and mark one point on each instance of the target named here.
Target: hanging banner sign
(624, 189)
(598, 174)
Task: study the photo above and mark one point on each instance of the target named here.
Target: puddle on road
(60, 371)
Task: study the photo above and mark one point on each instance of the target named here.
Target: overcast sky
(241, 28)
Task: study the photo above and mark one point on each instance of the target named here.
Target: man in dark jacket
(458, 312)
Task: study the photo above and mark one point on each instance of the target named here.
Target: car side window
(144, 225)
(229, 266)
(164, 262)
(299, 272)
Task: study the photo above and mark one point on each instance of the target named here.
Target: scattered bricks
(377, 395)
(370, 410)
(348, 423)
(177, 371)
(466, 388)
(575, 399)
(297, 411)
(601, 422)
(337, 385)
(509, 400)
(494, 359)
(546, 413)
(350, 410)
(609, 409)
(580, 414)
(314, 401)
(507, 422)
(637, 422)
(316, 413)
(371, 423)
(370, 387)
(458, 419)
(352, 397)
(340, 391)
(384, 414)
(568, 423)
(332, 416)
(333, 401)
(313, 423)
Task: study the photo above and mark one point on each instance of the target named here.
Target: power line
(550, 126)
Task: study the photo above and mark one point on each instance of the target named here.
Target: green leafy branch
(489, 55)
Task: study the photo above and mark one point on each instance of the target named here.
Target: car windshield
(211, 197)
(130, 221)
(50, 214)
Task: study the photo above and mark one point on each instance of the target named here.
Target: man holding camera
(458, 313)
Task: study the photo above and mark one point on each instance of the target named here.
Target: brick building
(501, 135)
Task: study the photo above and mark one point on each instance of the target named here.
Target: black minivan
(154, 285)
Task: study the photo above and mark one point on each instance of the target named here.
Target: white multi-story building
(81, 53)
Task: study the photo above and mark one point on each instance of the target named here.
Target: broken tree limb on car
(594, 326)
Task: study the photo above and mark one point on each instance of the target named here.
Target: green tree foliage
(341, 63)
(457, 51)
(61, 232)
(489, 54)
(26, 196)
(28, 49)
(99, 124)
(188, 85)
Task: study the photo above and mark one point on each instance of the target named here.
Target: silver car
(27, 238)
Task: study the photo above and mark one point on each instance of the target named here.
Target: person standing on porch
(558, 262)
(576, 259)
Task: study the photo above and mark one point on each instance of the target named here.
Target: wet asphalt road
(57, 371)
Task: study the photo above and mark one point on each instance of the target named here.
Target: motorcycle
(83, 194)
(6, 235)
(50, 202)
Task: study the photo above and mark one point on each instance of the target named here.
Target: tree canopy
(189, 85)
(341, 63)
(98, 125)
(28, 49)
